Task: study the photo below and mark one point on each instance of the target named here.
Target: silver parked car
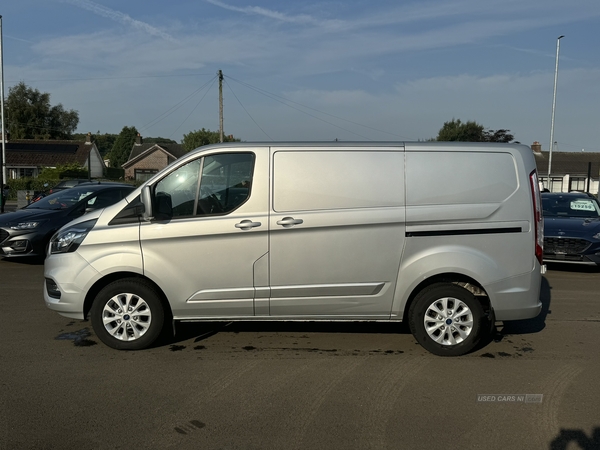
(446, 236)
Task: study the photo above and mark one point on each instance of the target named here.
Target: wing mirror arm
(146, 198)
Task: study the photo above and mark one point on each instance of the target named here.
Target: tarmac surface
(299, 386)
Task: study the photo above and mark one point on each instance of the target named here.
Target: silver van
(444, 236)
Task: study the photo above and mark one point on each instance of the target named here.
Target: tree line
(30, 115)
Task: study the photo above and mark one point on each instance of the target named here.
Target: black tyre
(127, 315)
(447, 319)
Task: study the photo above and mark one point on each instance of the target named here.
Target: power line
(111, 78)
(199, 101)
(271, 95)
(251, 118)
(176, 106)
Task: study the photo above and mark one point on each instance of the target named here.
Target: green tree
(455, 130)
(498, 136)
(198, 138)
(30, 115)
(119, 154)
(470, 131)
(104, 142)
(159, 140)
(71, 170)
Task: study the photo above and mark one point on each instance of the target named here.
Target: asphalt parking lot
(299, 386)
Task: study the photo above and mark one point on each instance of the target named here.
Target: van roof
(419, 145)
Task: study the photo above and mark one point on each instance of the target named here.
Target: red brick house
(146, 159)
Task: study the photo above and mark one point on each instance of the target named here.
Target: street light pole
(553, 111)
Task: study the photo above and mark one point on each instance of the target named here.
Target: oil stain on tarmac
(79, 337)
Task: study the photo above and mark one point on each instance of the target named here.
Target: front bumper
(76, 276)
(561, 249)
(14, 243)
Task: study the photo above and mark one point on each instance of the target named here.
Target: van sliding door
(336, 231)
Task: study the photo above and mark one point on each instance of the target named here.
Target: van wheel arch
(101, 283)
(454, 278)
(456, 290)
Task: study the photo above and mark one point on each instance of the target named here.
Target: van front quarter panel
(123, 255)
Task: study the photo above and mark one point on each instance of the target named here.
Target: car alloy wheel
(126, 317)
(128, 314)
(447, 319)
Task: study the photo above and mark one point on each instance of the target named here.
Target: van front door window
(213, 185)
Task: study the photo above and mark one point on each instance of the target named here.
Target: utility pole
(3, 155)
(221, 105)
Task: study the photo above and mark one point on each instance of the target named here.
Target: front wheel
(127, 315)
(447, 319)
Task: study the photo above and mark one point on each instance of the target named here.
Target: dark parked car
(26, 232)
(66, 184)
(571, 228)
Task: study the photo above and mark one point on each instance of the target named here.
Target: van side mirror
(157, 208)
(164, 207)
(146, 199)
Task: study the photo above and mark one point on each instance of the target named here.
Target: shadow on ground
(28, 260)
(201, 331)
(566, 437)
(564, 267)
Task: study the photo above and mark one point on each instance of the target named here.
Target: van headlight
(67, 240)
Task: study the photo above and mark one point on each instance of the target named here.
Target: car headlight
(67, 240)
(596, 236)
(26, 225)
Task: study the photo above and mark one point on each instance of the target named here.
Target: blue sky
(305, 70)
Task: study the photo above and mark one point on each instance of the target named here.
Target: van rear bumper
(517, 297)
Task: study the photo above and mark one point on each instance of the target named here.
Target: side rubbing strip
(463, 232)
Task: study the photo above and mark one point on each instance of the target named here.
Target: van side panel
(470, 212)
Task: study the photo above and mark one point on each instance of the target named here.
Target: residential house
(571, 171)
(146, 159)
(27, 157)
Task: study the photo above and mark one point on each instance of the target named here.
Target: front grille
(3, 235)
(565, 246)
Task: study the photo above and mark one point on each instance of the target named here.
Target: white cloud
(120, 17)
(302, 19)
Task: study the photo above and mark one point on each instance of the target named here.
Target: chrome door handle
(247, 224)
(288, 222)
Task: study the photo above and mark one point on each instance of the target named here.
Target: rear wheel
(127, 315)
(447, 319)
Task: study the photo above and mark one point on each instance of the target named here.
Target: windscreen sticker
(582, 205)
(84, 195)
